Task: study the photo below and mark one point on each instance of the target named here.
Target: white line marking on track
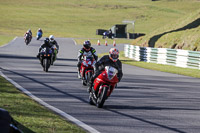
(74, 42)
(65, 115)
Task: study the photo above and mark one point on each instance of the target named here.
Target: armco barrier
(179, 58)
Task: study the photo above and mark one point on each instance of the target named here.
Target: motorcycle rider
(40, 30)
(107, 60)
(87, 50)
(44, 45)
(52, 43)
(28, 33)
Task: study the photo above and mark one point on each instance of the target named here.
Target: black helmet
(46, 41)
(87, 45)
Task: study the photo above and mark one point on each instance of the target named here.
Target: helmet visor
(114, 56)
(87, 46)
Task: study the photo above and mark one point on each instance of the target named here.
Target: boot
(38, 56)
(79, 76)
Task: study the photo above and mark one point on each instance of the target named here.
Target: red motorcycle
(104, 84)
(87, 69)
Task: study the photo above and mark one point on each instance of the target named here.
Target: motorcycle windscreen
(111, 72)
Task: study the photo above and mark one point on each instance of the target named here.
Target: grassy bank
(33, 118)
(80, 19)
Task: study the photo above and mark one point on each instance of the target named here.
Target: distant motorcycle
(39, 35)
(27, 39)
(107, 34)
(46, 58)
(104, 84)
(87, 69)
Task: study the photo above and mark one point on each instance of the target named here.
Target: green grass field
(80, 19)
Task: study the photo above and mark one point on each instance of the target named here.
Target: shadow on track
(191, 25)
(39, 82)
(146, 121)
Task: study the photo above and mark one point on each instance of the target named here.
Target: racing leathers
(82, 53)
(54, 42)
(44, 45)
(28, 34)
(100, 65)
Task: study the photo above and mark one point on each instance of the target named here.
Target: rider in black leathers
(44, 45)
(107, 60)
(87, 50)
(52, 41)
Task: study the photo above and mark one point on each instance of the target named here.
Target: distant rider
(107, 60)
(40, 30)
(28, 33)
(87, 50)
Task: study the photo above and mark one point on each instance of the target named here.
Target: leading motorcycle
(46, 58)
(103, 86)
(87, 69)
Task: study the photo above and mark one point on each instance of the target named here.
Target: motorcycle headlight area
(111, 72)
(85, 64)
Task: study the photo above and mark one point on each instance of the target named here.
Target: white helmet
(51, 38)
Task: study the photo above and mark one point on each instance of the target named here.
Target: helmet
(51, 38)
(87, 45)
(39, 29)
(46, 41)
(114, 54)
(29, 30)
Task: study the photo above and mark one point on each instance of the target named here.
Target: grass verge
(4, 39)
(32, 116)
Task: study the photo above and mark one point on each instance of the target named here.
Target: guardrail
(175, 57)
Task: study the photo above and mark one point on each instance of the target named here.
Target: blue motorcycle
(39, 35)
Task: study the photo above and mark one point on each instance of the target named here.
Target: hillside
(182, 33)
(80, 19)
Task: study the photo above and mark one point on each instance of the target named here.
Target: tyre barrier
(166, 56)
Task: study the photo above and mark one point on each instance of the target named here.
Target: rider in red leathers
(107, 60)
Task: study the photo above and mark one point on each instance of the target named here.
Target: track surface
(146, 101)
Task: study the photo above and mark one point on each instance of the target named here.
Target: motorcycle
(27, 39)
(103, 86)
(39, 35)
(87, 69)
(107, 34)
(46, 58)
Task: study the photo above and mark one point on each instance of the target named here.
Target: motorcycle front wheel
(102, 97)
(89, 75)
(46, 63)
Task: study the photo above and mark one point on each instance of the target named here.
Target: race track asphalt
(145, 101)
